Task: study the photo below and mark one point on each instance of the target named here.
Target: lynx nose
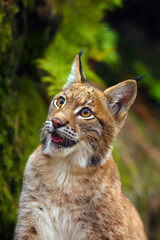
(57, 122)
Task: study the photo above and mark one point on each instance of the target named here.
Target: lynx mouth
(64, 142)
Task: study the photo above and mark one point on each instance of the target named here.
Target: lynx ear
(120, 97)
(77, 74)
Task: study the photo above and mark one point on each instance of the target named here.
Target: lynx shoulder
(71, 185)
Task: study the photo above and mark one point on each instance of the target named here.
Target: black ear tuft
(83, 77)
(80, 53)
(139, 77)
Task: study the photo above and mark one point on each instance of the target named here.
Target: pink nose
(56, 122)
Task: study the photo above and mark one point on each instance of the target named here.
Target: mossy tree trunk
(23, 103)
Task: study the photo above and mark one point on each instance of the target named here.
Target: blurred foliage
(80, 27)
(138, 45)
(20, 117)
(19, 121)
(139, 166)
(152, 83)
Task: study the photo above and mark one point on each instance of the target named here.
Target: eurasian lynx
(71, 186)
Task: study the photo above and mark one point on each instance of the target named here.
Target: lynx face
(82, 120)
(79, 120)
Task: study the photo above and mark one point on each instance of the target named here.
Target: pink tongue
(56, 138)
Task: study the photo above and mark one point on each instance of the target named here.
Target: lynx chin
(71, 185)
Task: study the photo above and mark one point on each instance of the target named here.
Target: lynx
(71, 185)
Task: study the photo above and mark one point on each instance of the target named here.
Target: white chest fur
(65, 227)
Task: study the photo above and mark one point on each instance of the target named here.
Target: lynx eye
(60, 102)
(86, 112)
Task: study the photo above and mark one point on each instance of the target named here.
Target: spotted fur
(71, 186)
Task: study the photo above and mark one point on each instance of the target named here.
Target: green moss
(23, 115)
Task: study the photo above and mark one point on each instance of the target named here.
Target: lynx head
(83, 121)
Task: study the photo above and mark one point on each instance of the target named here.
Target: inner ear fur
(77, 75)
(120, 97)
(74, 76)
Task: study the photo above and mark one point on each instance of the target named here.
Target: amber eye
(60, 101)
(86, 112)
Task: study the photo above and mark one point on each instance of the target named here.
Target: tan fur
(75, 193)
